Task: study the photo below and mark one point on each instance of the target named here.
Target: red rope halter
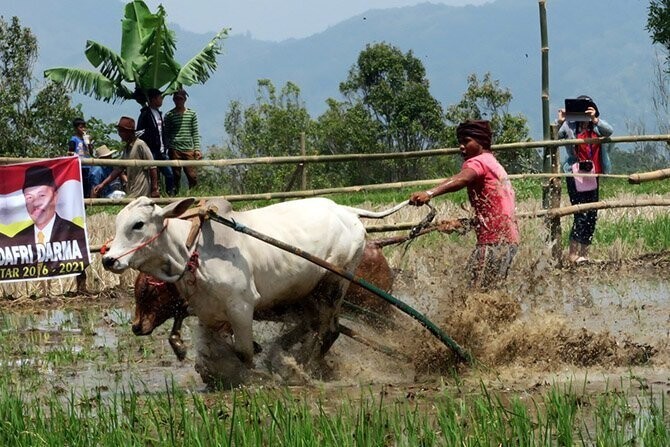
(104, 247)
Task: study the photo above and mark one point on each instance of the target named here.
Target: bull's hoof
(178, 347)
(327, 341)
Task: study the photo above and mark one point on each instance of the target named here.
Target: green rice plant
(653, 233)
(451, 416)
(612, 421)
(655, 428)
(522, 426)
(561, 408)
(304, 417)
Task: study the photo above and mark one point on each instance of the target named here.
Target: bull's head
(142, 242)
(156, 302)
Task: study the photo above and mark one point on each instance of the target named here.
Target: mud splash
(546, 320)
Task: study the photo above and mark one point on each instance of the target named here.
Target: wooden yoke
(197, 216)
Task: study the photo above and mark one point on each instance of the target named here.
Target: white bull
(235, 275)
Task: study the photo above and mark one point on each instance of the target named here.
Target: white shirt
(46, 231)
(159, 123)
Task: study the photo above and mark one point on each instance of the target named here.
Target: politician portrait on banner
(42, 220)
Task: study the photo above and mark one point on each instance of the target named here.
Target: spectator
(141, 180)
(587, 158)
(152, 127)
(99, 173)
(492, 198)
(80, 145)
(182, 138)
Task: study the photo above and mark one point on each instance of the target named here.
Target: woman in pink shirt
(492, 198)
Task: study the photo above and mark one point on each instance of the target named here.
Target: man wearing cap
(41, 195)
(142, 180)
(182, 138)
(492, 198)
(151, 129)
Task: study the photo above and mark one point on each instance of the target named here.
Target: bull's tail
(377, 214)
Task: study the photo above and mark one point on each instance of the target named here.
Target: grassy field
(562, 416)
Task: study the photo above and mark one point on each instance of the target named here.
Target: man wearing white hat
(100, 173)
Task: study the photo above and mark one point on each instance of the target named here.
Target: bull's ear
(176, 209)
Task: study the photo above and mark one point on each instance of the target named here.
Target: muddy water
(594, 324)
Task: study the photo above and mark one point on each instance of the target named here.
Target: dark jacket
(151, 135)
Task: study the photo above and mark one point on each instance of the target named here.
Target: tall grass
(279, 417)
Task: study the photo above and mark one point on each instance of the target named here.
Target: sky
(275, 20)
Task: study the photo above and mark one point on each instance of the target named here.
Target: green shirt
(181, 130)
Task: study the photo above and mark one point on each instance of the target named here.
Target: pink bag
(584, 184)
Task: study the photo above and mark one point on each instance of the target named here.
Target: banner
(42, 220)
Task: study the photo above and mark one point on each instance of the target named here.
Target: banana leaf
(87, 82)
(160, 67)
(136, 25)
(201, 66)
(111, 64)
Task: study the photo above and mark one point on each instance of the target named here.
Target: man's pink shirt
(492, 197)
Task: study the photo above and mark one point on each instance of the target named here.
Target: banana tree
(146, 60)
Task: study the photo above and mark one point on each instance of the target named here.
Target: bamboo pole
(328, 191)
(546, 213)
(303, 165)
(348, 157)
(636, 179)
(551, 191)
(544, 49)
(555, 202)
(603, 204)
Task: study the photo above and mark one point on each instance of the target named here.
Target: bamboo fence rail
(340, 190)
(349, 157)
(549, 213)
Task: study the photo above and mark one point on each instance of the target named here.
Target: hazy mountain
(598, 48)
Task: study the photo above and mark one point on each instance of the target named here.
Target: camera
(585, 166)
(575, 109)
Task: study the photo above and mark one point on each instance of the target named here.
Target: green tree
(658, 23)
(486, 100)
(346, 129)
(391, 86)
(271, 127)
(32, 123)
(146, 60)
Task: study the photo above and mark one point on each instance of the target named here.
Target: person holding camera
(584, 158)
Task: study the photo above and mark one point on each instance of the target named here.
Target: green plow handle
(432, 328)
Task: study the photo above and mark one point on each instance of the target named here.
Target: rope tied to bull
(192, 265)
(422, 319)
(416, 230)
(105, 248)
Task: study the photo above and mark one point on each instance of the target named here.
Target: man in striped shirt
(182, 138)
